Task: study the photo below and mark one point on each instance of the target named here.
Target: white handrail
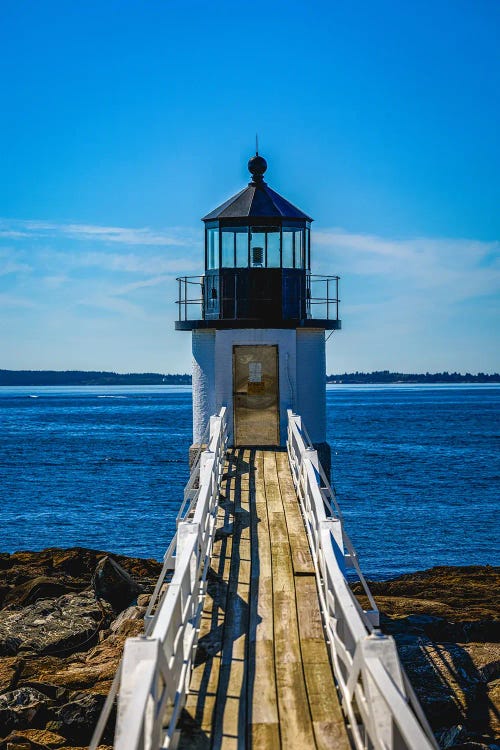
(381, 712)
(153, 677)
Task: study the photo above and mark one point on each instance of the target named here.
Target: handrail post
(140, 656)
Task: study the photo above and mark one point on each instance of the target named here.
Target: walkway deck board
(262, 676)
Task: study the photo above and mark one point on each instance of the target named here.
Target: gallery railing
(219, 296)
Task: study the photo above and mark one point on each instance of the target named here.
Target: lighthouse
(258, 318)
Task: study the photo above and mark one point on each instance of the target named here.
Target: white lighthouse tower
(258, 319)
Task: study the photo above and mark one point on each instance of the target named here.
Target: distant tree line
(384, 376)
(81, 377)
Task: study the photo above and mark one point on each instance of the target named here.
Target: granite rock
(60, 644)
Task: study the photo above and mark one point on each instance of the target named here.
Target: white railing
(152, 680)
(382, 710)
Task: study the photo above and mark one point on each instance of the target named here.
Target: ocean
(415, 467)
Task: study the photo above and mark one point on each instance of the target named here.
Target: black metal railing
(216, 297)
(190, 309)
(325, 298)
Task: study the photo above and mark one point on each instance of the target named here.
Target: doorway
(255, 395)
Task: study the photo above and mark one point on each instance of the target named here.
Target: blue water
(416, 470)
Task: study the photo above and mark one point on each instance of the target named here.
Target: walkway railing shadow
(230, 615)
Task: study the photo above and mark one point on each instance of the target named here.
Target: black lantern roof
(257, 200)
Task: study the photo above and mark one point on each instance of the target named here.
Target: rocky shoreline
(64, 617)
(65, 614)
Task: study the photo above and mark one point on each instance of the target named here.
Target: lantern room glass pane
(257, 247)
(273, 247)
(294, 255)
(228, 241)
(241, 240)
(287, 248)
(299, 249)
(212, 248)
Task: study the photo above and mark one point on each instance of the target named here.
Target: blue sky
(125, 122)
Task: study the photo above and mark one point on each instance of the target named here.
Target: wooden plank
(229, 725)
(327, 718)
(301, 555)
(296, 728)
(263, 726)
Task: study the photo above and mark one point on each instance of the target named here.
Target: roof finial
(257, 165)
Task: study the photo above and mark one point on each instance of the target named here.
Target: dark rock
(39, 588)
(112, 583)
(34, 739)
(77, 720)
(23, 707)
(451, 736)
(121, 624)
(53, 692)
(459, 594)
(51, 626)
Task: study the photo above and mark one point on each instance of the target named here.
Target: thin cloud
(12, 234)
(12, 300)
(127, 262)
(457, 269)
(143, 284)
(123, 235)
(11, 266)
(111, 304)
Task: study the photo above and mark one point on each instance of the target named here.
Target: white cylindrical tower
(258, 319)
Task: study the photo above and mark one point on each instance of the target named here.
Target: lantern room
(257, 265)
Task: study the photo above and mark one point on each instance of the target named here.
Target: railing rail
(381, 709)
(193, 300)
(152, 680)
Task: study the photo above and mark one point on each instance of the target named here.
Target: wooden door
(255, 395)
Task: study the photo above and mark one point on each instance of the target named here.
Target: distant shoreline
(103, 378)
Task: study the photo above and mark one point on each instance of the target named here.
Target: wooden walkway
(262, 676)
